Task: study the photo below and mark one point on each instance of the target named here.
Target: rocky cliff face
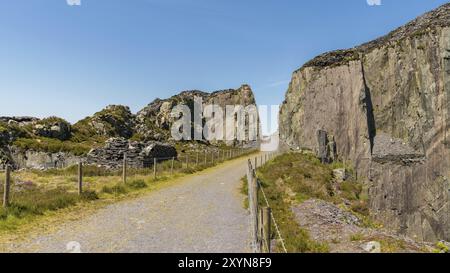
(154, 121)
(386, 104)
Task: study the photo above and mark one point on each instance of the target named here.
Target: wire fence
(157, 167)
(277, 229)
(261, 218)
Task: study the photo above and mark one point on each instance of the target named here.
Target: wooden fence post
(260, 229)
(124, 169)
(267, 219)
(7, 186)
(251, 206)
(155, 162)
(255, 206)
(80, 178)
(171, 167)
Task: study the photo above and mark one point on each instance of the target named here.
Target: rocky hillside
(154, 121)
(384, 106)
(49, 142)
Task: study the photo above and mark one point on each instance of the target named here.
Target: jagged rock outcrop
(14, 127)
(387, 105)
(154, 121)
(19, 120)
(52, 127)
(138, 154)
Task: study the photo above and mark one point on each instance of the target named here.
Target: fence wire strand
(273, 218)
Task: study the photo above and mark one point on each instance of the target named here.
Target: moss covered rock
(53, 127)
(113, 121)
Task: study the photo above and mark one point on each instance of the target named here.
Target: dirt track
(203, 213)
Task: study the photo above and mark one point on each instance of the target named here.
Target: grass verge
(293, 178)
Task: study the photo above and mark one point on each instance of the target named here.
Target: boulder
(53, 127)
(372, 247)
(340, 175)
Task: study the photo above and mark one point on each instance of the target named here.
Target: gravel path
(203, 214)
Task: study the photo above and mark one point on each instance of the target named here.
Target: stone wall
(139, 154)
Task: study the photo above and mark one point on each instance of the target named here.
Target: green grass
(442, 248)
(293, 178)
(357, 237)
(29, 203)
(137, 184)
(297, 239)
(52, 145)
(244, 191)
(121, 188)
(117, 189)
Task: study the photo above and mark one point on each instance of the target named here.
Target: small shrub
(356, 237)
(116, 189)
(137, 184)
(351, 190)
(360, 207)
(442, 247)
(3, 213)
(89, 195)
(188, 171)
(107, 189)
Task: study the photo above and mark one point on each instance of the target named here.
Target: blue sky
(71, 61)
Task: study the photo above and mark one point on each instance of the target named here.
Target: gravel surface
(203, 214)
